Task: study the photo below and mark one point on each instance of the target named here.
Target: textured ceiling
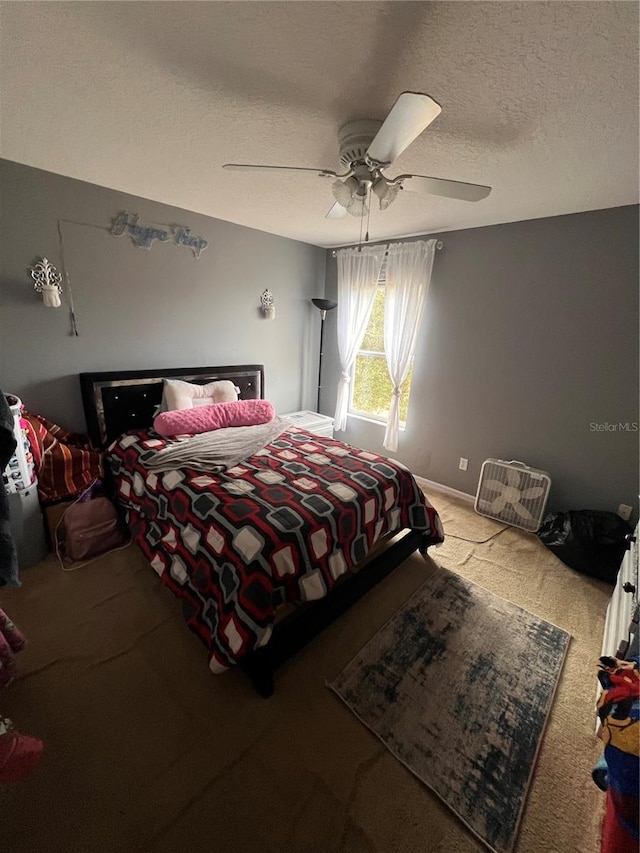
(540, 101)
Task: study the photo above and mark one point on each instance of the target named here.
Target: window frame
(357, 413)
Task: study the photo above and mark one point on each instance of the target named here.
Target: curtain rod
(334, 252)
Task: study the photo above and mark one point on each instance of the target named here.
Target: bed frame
(118, 401)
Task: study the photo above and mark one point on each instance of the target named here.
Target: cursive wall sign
(143, 236)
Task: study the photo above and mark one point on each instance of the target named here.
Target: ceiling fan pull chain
(368, 197)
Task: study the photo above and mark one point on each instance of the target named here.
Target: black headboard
(121, 400)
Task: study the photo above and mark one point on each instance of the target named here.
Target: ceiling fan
(368, 148)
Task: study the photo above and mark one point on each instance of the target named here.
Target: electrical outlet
(624, 511)
(463, 464)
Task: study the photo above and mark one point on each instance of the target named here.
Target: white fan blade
(498, 504)
(408, 117)
(336, 212)
(493, 485)
(248, 167)
(533, 492)
(444, 187)
(513, 478)
(522, 511)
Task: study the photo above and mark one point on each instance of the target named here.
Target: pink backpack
(91, 528)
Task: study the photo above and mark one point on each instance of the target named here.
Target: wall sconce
(268, 308)
(47, 282)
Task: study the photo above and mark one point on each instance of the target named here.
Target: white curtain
(408, 276)
(358, 273)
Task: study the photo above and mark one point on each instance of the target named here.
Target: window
(371, 387)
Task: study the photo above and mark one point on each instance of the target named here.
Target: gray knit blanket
(215, 451)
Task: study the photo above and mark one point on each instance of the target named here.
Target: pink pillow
(215, 416)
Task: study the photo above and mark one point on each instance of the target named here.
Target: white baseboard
(446, 490)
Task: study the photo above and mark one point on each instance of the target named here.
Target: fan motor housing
(354, 139)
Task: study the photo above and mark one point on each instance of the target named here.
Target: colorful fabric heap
(11, 641)
(19, 753)
(65, 461)
(619, 713)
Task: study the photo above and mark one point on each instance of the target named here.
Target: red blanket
(281, 526)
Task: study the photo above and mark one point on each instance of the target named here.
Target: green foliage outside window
(374, 336)
(372, 388)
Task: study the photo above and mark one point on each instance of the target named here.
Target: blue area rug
(458, 685)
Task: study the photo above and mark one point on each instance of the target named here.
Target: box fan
(513, 493)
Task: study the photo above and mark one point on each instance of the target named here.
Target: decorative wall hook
(47, 282)
(268, 308)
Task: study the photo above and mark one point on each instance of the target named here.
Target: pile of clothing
(19, 753)
(65, 465)
(65, 461)
(618, 770)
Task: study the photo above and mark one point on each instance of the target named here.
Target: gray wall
(530, 335)
(141, 309)
(530, 331)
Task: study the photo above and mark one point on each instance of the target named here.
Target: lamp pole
(324, 305)
(323, 314)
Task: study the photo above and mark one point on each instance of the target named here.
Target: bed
(268, 552)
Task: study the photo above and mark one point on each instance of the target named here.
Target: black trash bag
(590, 541)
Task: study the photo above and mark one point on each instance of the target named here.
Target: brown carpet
(145, 750)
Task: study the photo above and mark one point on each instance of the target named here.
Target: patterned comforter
(282, 526)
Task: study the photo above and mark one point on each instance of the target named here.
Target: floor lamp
(324, 305)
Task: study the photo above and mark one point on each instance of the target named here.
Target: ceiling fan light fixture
(358, 206)
(344, 191)
(385, 192)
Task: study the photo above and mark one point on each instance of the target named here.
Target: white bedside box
(312, 422)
